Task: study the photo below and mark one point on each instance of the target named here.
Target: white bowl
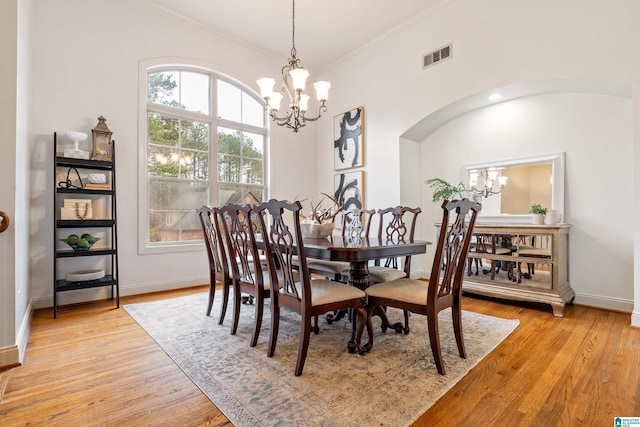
(76, 136)
(83, 276)
(312, 230)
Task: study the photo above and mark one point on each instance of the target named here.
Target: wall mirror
(538, 179)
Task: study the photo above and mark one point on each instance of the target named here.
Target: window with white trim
(206, 141)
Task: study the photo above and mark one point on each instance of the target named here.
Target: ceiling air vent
(436, 56)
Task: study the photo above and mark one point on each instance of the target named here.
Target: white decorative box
(76, 209)
(71, 203)
(97, 178)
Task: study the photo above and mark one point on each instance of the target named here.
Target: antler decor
(321, 216)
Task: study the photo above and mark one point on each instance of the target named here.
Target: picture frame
(349, 191)
(348, 139)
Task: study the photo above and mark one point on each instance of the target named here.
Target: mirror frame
(557, 186)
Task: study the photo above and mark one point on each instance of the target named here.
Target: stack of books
(91, 186)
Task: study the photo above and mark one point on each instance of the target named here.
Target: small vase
(551, 217)
(537, 219)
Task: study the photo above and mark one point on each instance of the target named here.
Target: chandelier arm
(321, 109)
(284, 85)
(281, 120)
(485, 191)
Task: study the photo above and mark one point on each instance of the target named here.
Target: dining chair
(307, 297)
(355, 224)
(399, 224)
(246, 266)
(338, 270)
(218, 261)
(444, 287)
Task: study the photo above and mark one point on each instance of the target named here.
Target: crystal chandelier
(483, 182)
(294, 78)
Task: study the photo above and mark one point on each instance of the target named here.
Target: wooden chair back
(359, 218)
(238, 229)
(449, 260)
(399, 227)
(246, 263)
(285, 244)
(217, 256)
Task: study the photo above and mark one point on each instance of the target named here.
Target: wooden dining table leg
(359, 277)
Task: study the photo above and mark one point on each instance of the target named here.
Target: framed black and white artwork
(349, 191)
(348, 139)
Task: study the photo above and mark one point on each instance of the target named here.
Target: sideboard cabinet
(521, 262)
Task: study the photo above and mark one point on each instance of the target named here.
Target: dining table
(358, 252)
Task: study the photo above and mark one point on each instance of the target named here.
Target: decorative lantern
(101, 141)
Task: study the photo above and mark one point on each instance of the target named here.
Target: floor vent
(436, 56)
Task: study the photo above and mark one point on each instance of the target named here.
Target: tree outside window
(180, 148)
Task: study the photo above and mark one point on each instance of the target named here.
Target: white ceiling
(326, 30)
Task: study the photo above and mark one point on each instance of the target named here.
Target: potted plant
(537, 212)
(443, 190)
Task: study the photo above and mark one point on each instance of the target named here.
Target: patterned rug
(392, 385)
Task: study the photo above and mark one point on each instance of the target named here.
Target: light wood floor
(95, 366)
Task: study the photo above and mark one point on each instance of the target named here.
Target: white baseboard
(9, 356)
(86, 295)
(635, 319)
(14, 355)
(23, 332)
(601, 301)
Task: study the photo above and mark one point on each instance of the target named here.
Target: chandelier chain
(293, 30)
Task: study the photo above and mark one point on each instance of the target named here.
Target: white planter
(311, 230)
(537, 219)
(551, 217)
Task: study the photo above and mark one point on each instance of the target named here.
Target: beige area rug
(392, 385)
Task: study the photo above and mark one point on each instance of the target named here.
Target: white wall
(595, 133)
(8, 90)
(23, 176)
(87, 54)
(495, 43)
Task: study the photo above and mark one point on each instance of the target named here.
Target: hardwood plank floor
(95, 366)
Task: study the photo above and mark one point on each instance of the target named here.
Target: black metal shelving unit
(110, 224)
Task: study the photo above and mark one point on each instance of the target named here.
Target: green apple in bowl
(83, 244)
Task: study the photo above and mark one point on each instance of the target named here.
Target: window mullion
(213, 143)
(172, 112)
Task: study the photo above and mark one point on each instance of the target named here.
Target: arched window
(205, 144)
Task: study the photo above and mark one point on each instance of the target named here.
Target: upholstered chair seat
(405, 290)
(380, 273)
